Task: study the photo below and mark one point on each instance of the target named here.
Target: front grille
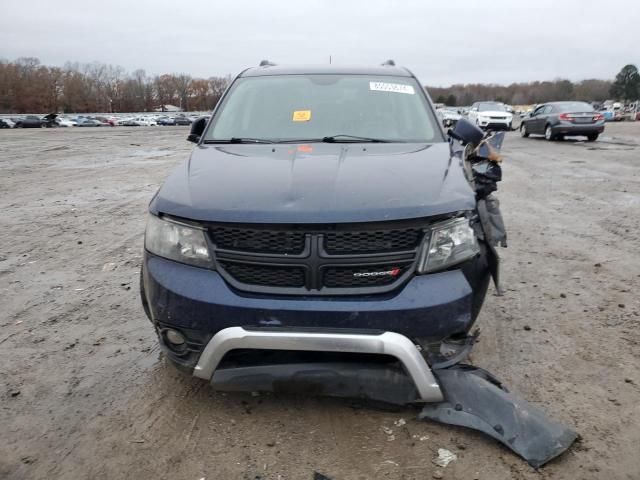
(372, 241)
(265, 275)
(317, 259)
(365, 276)
(258, 240)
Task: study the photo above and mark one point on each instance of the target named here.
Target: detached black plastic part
(475, 400)
(366, 381)
(467, 133)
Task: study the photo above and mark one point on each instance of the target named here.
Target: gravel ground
(85, 393)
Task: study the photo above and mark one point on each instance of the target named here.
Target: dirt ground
(85, 394)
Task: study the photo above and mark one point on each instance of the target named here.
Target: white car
(65, 122)
(448, 116)
(6, 122)
(490, 116)
(146, 122)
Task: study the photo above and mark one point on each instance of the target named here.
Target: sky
(445, 42)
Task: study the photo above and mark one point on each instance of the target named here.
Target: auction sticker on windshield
(301, 116)
(391, 87)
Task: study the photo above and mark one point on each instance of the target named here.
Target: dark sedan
(180, 120)
(556, 120)
(30, 121)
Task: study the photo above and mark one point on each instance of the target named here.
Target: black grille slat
(307, 259)
(265, 275)
(258, 240)
(346, 277)
(372, 241)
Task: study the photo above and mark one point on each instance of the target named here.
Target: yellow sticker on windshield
(301, 116)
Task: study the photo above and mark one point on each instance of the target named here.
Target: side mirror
(466, 132)
(197, 128)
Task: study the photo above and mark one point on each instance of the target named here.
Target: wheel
(524, 133)
(548, 133)
(592, 137)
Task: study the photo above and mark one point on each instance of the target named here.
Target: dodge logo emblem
(385, 273)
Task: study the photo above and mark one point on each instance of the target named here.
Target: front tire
(524, 133)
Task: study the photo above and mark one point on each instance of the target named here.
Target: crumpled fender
(474, 399)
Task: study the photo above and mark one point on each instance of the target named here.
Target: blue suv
(323, 233)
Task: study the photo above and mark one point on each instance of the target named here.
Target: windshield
(491, 107)
(313, 107)
(574, 107)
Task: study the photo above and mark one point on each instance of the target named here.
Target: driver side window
(539, 110)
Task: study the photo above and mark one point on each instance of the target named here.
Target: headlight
(177, 241)
(449, 243)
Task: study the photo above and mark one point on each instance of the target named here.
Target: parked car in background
(53, 120)
(65, 122)
(449, 116)
(607, 114)
(556, 120)
(181, 120)
(30, 121)
(7, 123)
(490, 116)
(106, 121)
(145, 122)
(88, 122)
(166, 121)
(125, 122)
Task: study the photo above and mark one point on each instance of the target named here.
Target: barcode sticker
(391, 87)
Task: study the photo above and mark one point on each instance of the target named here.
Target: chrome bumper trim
(387, 343)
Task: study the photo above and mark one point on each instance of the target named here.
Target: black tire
(524, 133)
(592, 137)
(548, 133)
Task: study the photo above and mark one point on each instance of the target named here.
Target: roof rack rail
(267, 63)
(388, 63)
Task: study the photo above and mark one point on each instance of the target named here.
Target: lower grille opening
(253, 357)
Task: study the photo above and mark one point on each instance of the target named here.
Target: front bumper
(386, 343)
(493, 124)
(199, 303)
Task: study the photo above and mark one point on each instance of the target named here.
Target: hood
(316, 183)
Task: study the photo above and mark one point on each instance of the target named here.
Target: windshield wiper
(340, 138)
(351, 138)
(241, 140)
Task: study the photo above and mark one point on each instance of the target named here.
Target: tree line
(625, 87)
(27, 86)
(591, 90)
